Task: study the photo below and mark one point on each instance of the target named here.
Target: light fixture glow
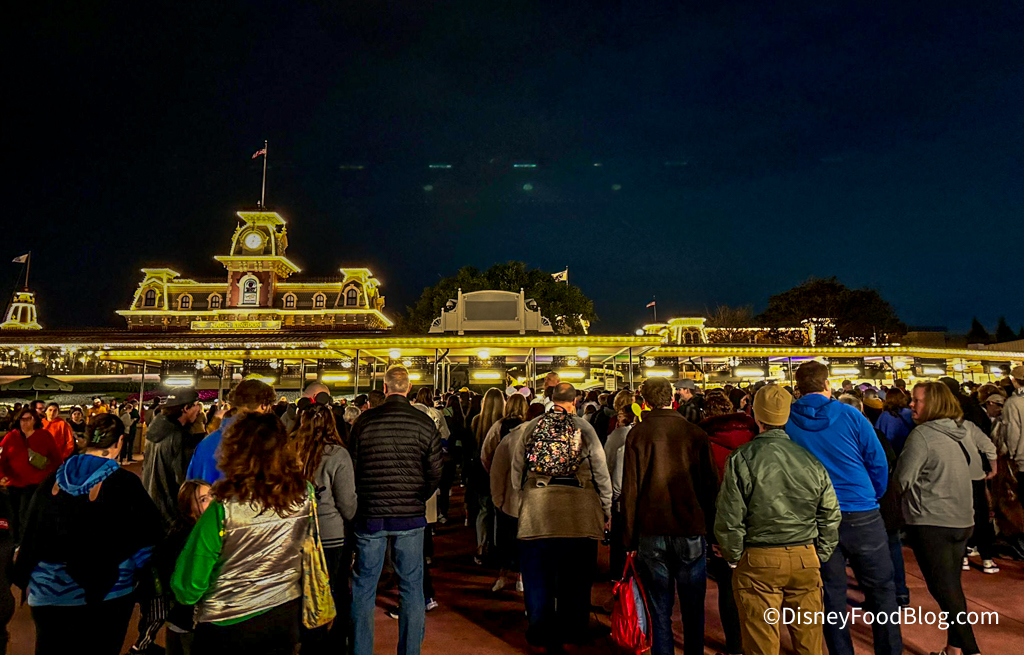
(406, 362)
(933, 370)
(658, 373)
(572, 375)
(845, 370)
(572, 362)
(484, 354)
(899, 365)
(958, 367)
(487, 375)
(346, 364)
(394, 353)
(179, 382)
(749, 373)
(649, 362)
(336, 377)
(583, 353)
(415, 376)
(639, 332)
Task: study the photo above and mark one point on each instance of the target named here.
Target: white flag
(561, 276)
(20, 260)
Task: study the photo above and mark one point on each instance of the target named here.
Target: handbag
(631, 630)
(318, 608)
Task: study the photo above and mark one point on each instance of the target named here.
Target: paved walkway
(471, 619)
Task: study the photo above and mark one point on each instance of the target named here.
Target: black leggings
(61, 630)
(939, 553)
(984, 534)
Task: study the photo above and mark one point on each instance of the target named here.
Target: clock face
(253, 241)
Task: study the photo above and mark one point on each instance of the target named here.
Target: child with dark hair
(81, 593)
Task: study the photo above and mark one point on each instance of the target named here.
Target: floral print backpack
(555, 447)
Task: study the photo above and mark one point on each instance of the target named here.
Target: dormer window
(149, 300)
(215, 301)
(185, 302)
(289, 301)
(319, 301)
(352, 297)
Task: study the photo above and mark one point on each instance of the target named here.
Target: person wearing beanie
(842, 439)
(777, 519)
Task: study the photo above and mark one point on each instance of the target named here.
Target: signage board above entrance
(236, 325)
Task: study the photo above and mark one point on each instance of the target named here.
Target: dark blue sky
(878, 143)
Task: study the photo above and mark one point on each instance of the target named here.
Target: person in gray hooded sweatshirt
(934, 479)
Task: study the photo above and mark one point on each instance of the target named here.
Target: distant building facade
(259, 292)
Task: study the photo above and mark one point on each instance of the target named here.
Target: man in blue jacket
(843, 440)
(252, 395)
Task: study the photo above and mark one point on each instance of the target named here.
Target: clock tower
(257, 260)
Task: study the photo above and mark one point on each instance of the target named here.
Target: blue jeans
(408, 550)
(557, 577)
(668, 565)
(862, 541)
(898, 569)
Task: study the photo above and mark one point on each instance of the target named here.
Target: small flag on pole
(652, 304)
(261, 151)
(20, 260)
(561, 276)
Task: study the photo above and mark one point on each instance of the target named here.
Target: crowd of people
(770, 491)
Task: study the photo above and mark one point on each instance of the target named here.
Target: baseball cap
(1018, 373)
(772, 404)
(996, 398)
(183, 397)
(686, 383)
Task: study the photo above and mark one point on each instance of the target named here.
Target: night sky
(740, 150)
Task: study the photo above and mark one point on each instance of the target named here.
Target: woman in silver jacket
(242, 564)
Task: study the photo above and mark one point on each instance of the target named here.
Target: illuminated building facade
(259, 292)
(21, 312)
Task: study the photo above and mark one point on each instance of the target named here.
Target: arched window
(215, 301)
(185, 302)
(352, 297)
(289, 301)
(319, 300)
(150, 298)
(250, 290)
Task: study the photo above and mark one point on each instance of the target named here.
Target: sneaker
(972, 551)
(429, 561)
(967, 564)
(479, 561)
(431, 604)
(988, 566)
(442, 520)
(393, 613)
(519, 586)
(499, 584)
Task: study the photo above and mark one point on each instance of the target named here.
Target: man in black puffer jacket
(396, 452)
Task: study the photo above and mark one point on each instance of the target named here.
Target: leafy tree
(564, 304)
(978, 333)
(1003, 331)
(857, 313)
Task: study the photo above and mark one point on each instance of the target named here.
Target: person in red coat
(28, 455)
(727, 430)
(60, 429)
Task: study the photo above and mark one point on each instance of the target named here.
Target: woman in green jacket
(242, 565)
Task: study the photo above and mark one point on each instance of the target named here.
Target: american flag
(261, 151)
(651, 304)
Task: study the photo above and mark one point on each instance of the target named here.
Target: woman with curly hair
(327, 464)
(242, 564)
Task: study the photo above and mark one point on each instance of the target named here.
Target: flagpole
(655, 300)
(263, 192)
(28, 267)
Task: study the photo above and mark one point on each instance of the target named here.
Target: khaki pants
(778, 578)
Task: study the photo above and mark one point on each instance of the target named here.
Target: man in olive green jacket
(777, 519)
